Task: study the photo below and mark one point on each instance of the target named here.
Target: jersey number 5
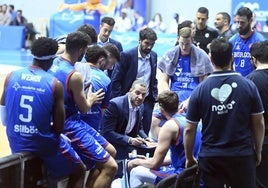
(23, 104)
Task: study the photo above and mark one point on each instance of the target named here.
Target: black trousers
(225, 172)
(262, 169)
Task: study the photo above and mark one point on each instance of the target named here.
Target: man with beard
(138, 63)
(122, 123)
(94, 150)
(242, 41)
(222, 23)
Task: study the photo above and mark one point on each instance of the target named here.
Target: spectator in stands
(139, 22)
(20, 20)
(34, 115)
(12, 12)
(203, 34)
(5, 16)
(222, 23)
(123, 22)
(173, 25)
(93, 149)
(106, 28)
(265, 27)
(259, 55)
(157, 23)
(152, 170)
(227, 102)
(242, 41)
(138, 63)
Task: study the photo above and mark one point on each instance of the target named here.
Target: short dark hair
(90, 31)
(112, 49)
(12, 6)
(259, 50)
(221, 52)
(93, 53)
(76, 40)
(244, 11)
(147, 33)
(169, 101)
(203, 10)
(186, 23)
(44, 46)
(108, 20)
(226, 16)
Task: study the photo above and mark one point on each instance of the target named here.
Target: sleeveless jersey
(99, 80)
(29, 101)
(177, 149)
(241, 52)
(62, 70)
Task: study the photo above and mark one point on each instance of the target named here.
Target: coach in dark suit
(121, 122)
(138, 63)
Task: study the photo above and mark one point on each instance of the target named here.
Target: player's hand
(137, 141)
(190, 162)
(183, 106)
(258, 158)
(94, 97)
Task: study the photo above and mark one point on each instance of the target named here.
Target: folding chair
(168, 182)
(189, 178)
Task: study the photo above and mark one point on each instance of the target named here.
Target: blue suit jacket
(115, 120)
(117, 44)
(125, 72)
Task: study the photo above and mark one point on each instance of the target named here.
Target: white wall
(187, 8)
(35, 10)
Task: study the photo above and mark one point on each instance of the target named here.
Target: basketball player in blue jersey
(242, 41)
(153, 169)
(180, 70)
(32, 109)
(96, 58)
(93, 149)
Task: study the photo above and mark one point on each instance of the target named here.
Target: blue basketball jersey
(99, 80)
(177, 149)
(62, 70)
(241, 52)
(182, 82)
(29, 101)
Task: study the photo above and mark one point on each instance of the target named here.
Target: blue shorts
(64, 162)
(86, 141)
